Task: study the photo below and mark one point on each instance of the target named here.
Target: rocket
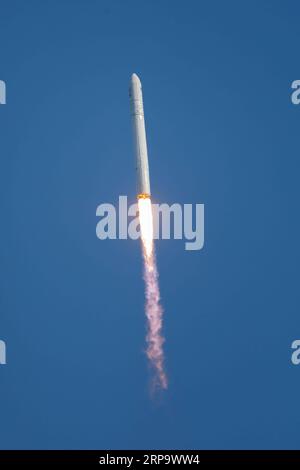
(139, 136)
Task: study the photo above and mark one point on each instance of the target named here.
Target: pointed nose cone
(135, 79)
(135, 87)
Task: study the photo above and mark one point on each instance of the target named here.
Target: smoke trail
(154, 311)
(154, 314)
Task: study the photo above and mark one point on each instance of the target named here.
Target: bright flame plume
(154, 311)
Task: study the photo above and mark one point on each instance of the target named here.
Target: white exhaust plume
(154, 311)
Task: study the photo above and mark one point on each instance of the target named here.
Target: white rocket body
(139, 135)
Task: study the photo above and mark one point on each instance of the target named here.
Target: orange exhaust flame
(154, 311)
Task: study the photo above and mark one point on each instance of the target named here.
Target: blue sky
(221, 131)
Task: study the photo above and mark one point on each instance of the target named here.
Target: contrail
(154, 311)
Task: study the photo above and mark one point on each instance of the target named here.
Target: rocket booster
(139, 135)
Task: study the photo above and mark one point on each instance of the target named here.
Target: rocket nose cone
(135, 79)
(135, 87)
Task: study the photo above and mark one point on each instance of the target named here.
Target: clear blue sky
(221, 131)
